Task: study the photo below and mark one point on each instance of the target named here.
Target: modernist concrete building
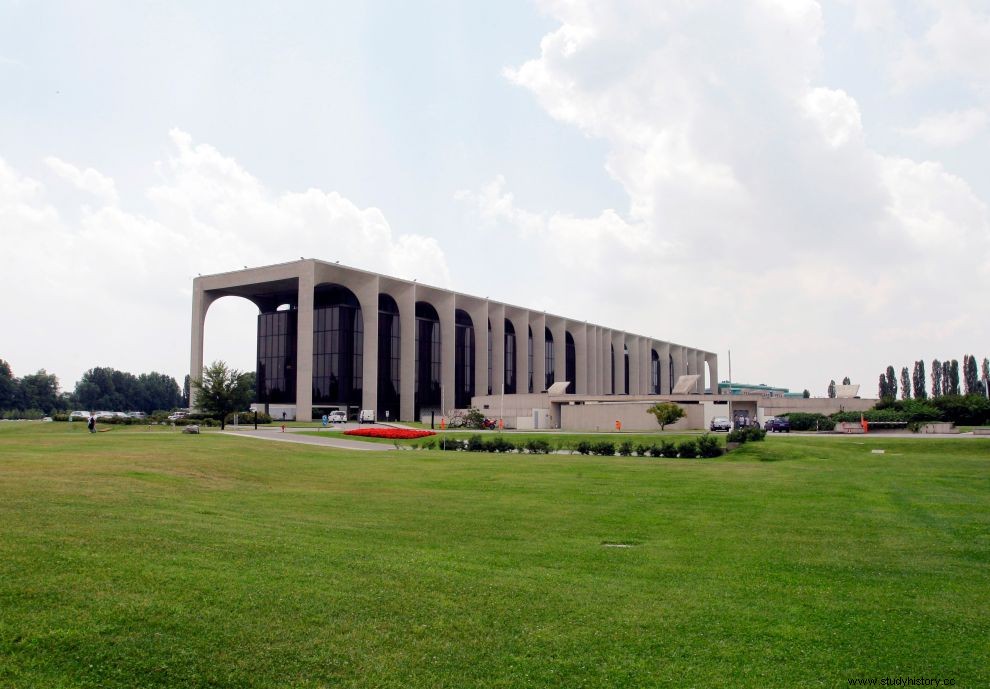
(333, 337)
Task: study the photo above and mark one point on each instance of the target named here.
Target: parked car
(136, 414)
(177, 415)
(777, 425)
(78, 415)
(367, 416)
(337, 417)
(721, 423)
(105, 414)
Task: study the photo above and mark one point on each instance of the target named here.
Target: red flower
(390, 433)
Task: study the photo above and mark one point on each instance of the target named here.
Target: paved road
(295, 435)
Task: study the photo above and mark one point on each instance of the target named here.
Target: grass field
(130, 559)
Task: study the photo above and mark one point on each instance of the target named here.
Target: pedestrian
(91, 424)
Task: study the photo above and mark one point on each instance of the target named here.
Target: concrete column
(678, 353)
(699, 370)
(619, 370)
(606, 352)
(581, 357)
(663, 350)
(538, 322)
(635, 384)
(448, 346)
(367, 294)
(645, 366)
(479, 320)
(496, 312)
(200, 305)
(712, 361)
(601, 358)
(304, 342)
(520, 321)
(406, 300)
(594, 356)
(559, 331)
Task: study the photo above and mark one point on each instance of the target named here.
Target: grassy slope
(172, 560)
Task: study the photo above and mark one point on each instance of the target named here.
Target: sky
(802, 183)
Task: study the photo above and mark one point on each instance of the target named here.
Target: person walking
(91, 424)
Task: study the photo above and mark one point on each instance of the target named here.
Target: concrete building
(333, 337)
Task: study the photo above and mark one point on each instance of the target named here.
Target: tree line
(100, 388)
(947, 379)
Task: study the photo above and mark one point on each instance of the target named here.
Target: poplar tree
(905, 384)
(846, 381)
(891, 382)
(831, 389)
(971, 376)
(919, 380)
(954, 377)
(882, 387)
(936, 378)
(986, 376)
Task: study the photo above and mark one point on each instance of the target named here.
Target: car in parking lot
(177, 415)
(721, 423)
(78, 415)
(337, 417)
(777, 425)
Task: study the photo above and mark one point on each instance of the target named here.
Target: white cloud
(758, 218)
(88, 180)
(949, 128)
(114, 285)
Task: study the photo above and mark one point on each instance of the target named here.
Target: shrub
(665, 449)
(502, 444)
(625, 448)
(708, 446)
(746, 434)
(473, 418)
(604, 448)
(246, 418)
(583, 447)
(688, 449)
(644, 450)
(538, 446)
(963, 410)
(475, 444)
(60, 416)
(810, 422)
(428, 444)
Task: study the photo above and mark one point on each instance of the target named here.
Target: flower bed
(390, 433)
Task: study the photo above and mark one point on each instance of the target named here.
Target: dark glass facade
(427, 358)
(276, 374)
(548, 357)
(625, 351)
(530, 359)
(463, 360)
(510, 358)
(670, 376)
(389, 357)
(491, 355)
(654, 372)
(570, 363)
(611, 349)
(338, 348)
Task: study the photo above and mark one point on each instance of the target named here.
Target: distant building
(729, 388)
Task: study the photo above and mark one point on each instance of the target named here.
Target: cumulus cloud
(949, 128)
(113, 285)
(757, 211)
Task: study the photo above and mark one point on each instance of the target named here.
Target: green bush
(801, 421)
(604, 448)
(583, 447)
(246, 418)
(428, 444)
(709, 446)
(688, 449)
(60, 416)
(746, 434)
(475, 444)
(538, 446)
(625, 448)
(501, 444)
(665, 449)
(963, 410)
(644, 450)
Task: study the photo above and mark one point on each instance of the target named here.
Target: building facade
(334, 337)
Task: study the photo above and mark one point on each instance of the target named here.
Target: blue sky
(801, 182)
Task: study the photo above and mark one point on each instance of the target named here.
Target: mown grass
(557, 440)
(166, 560)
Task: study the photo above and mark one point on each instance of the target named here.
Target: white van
(367, 416)
(337, 417)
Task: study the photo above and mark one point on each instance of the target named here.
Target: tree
(936, 378)
(919, 380)
(953, 378)
(846, 381)
(971, 376)
(905, 384)
(806, 394)
(985, 375)
(831, 389)
(666, 412)
(891, 382)
(883, 391)
(8, 386)
(221, 391)
(39, 391)
(185, 391)
(157, 391)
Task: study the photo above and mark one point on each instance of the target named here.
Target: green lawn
(167, 560)
(558, 441)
